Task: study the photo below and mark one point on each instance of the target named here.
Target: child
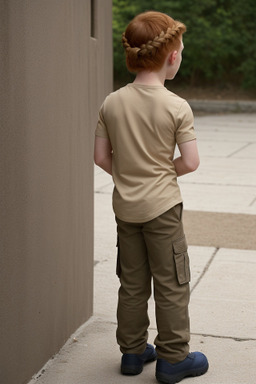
(138, 128)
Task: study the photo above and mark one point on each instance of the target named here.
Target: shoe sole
(173, 379)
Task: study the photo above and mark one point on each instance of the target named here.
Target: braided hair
(148, 38)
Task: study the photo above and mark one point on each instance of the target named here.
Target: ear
(172, 57)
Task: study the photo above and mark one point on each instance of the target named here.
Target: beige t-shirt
(143, 124)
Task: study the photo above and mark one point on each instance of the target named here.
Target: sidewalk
(223, 286)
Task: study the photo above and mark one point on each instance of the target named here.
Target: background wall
(56, 68)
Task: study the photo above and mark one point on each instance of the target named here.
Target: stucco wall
(54, 76)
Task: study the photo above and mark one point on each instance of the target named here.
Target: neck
(150, 78)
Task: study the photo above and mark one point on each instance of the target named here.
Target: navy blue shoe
(132, 364)
(195, 364)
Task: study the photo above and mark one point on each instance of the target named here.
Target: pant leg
(135, 289)
(169, 264)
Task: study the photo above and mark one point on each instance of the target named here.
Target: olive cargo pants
(155, 249)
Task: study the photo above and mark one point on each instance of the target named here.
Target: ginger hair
(148, 38)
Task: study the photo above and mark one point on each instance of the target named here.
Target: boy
(138, 128)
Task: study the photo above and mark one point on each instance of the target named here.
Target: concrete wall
(54, 76)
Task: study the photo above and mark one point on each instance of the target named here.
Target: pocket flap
(180, 245)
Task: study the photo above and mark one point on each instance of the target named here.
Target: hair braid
(151, 46)
(133, 51)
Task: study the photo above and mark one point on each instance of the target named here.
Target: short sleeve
(101, 128)
(185, 124)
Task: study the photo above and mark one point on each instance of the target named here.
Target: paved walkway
(223, 302)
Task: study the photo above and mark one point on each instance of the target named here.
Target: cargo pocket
(180, 253)
(118, 264)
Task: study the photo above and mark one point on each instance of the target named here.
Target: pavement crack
(99, 192)
(101, 189)
(239, 150)
(239, 339)
(234, 338)
(205, 269)
(252, 202)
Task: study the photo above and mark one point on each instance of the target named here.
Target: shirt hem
(145, 219)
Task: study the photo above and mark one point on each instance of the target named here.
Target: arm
(103, 154)
(189, 159)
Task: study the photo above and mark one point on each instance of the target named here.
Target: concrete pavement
(223, 286)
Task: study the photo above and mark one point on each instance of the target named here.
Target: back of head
(148, 38)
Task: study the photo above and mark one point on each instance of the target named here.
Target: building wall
(55, 69)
